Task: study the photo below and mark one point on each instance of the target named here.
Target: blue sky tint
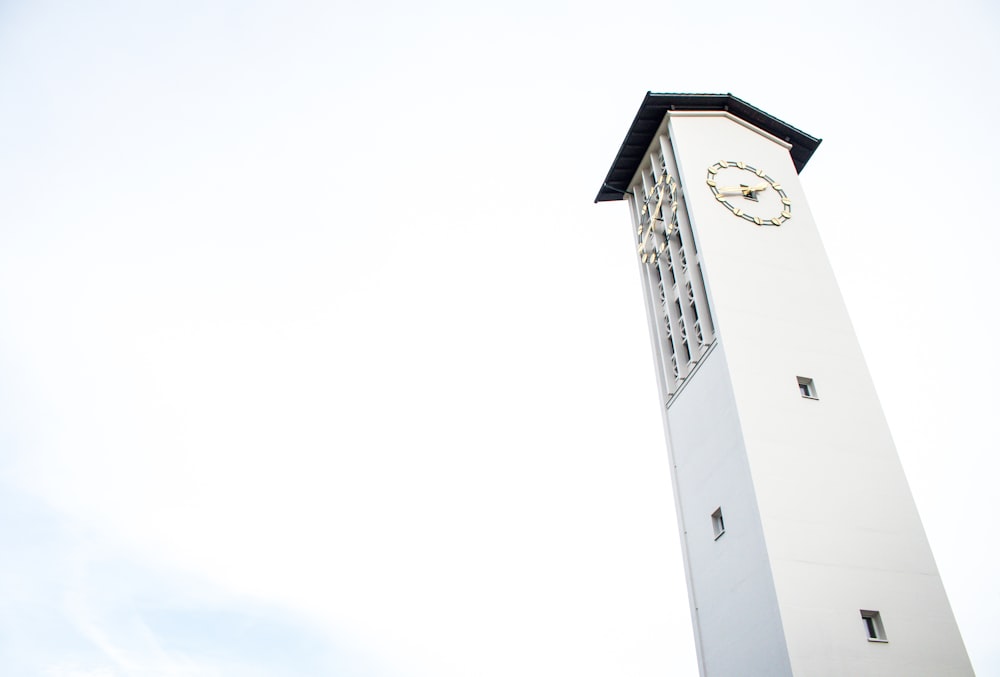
(76, 605)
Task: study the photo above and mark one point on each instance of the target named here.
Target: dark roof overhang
(651, 113)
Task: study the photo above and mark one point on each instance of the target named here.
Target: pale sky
(317, 358)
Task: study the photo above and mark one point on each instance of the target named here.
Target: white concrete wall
(734, 605)
(820, 521)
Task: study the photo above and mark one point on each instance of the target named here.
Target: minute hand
(744, 190)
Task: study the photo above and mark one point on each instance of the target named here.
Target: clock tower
(803, 549)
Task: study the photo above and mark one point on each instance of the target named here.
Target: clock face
(749, 193)
(657, 218)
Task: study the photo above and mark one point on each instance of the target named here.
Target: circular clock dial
(657, 218)
(749, 193)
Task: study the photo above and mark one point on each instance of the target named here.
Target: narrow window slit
(718, 525)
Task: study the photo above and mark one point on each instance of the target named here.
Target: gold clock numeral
(713, 169)
(777, 221)
(776, 186)
(760, 173)
(710, 182)
(787, 214)
(741, 165)
(757, 220)
(785, 201)
(723, 164)
(720, 198)
(737, 211)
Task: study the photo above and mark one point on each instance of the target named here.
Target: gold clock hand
(740, 190)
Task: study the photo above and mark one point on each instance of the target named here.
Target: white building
(804, 552)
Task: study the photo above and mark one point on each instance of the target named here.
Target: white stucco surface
(732, 571)
(820, 522)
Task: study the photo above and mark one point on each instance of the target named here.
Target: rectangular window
(807, 388)
(873, 626)
(718, 526)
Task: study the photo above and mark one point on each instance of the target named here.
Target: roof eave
(650, 114)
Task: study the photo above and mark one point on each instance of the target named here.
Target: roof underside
(650, 115)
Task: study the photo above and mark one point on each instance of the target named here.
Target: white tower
(804, 552)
